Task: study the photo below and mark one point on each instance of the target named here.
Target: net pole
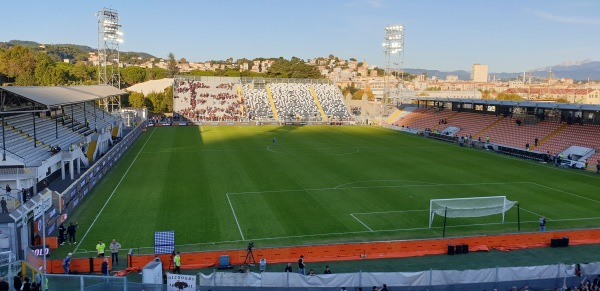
(519, 216)
(503, 209)
(431, 213)
(445, 215)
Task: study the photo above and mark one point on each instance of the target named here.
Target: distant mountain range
(578, 71)
(80, 48)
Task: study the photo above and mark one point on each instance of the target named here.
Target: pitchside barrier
(247, 123)
(374, 250)
(534, 277)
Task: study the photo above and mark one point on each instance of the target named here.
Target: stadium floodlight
(110, 36)
(469, 207)
(393, 47)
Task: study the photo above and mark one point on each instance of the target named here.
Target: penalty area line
(114, 191)
(235, 216)
(361, 222)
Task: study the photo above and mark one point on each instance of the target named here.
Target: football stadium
(270, 174)
(261, 171)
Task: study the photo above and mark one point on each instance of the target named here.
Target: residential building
(479, 73)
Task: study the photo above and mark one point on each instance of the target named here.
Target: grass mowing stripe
(113, 192)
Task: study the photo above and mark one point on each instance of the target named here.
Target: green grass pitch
(222, 187)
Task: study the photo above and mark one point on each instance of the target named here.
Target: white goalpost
(469, 207)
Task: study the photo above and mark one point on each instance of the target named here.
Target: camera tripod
(249, 257)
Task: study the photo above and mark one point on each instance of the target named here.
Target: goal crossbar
(469, 207)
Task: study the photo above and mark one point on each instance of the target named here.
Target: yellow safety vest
(100, 248)
(177, 261)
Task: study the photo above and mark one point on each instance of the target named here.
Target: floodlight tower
(393, 47)
(109, 66)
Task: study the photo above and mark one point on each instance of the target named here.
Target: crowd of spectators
(208, 101)
(200, 101)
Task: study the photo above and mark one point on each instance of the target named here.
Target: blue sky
(507, 35)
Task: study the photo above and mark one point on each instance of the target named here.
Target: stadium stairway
(91, 151)
(394, 116)
(241, 99)
(271, 101)
(489, 126)
(115, 131)
(551, 135)
(314, 95)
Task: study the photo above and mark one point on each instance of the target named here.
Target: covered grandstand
(536, 130)
(228, 99)
(49, 133)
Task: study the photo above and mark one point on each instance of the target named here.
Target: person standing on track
(115, 246)
(71, 232)
(100, 248)
(177, 262)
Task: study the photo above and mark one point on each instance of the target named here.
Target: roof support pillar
(72, 119)
(34, 132)
(56, 124)
(85, 116)
(3, 141)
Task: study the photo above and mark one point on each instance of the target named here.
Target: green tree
(25, 79)
(172, 69)
(509, 96)
(16, 60)
(132, 75)
(155, 102)
(294, 68)
(136, 100)
(156, 74)
(83, 74)
(350, 89)
(168, 99)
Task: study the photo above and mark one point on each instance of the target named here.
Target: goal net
(469, 207)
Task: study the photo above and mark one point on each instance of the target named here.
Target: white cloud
(566, 19)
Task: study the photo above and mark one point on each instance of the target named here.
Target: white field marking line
(392, 211)
(340, 186)
(358, 232)
(114, 191)
(355, 148)
(566, 170)
(536, 214)
(201, 129)
(558, 190)
(388, 230)
(360, 222)
(374, 187)
(235, 216)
